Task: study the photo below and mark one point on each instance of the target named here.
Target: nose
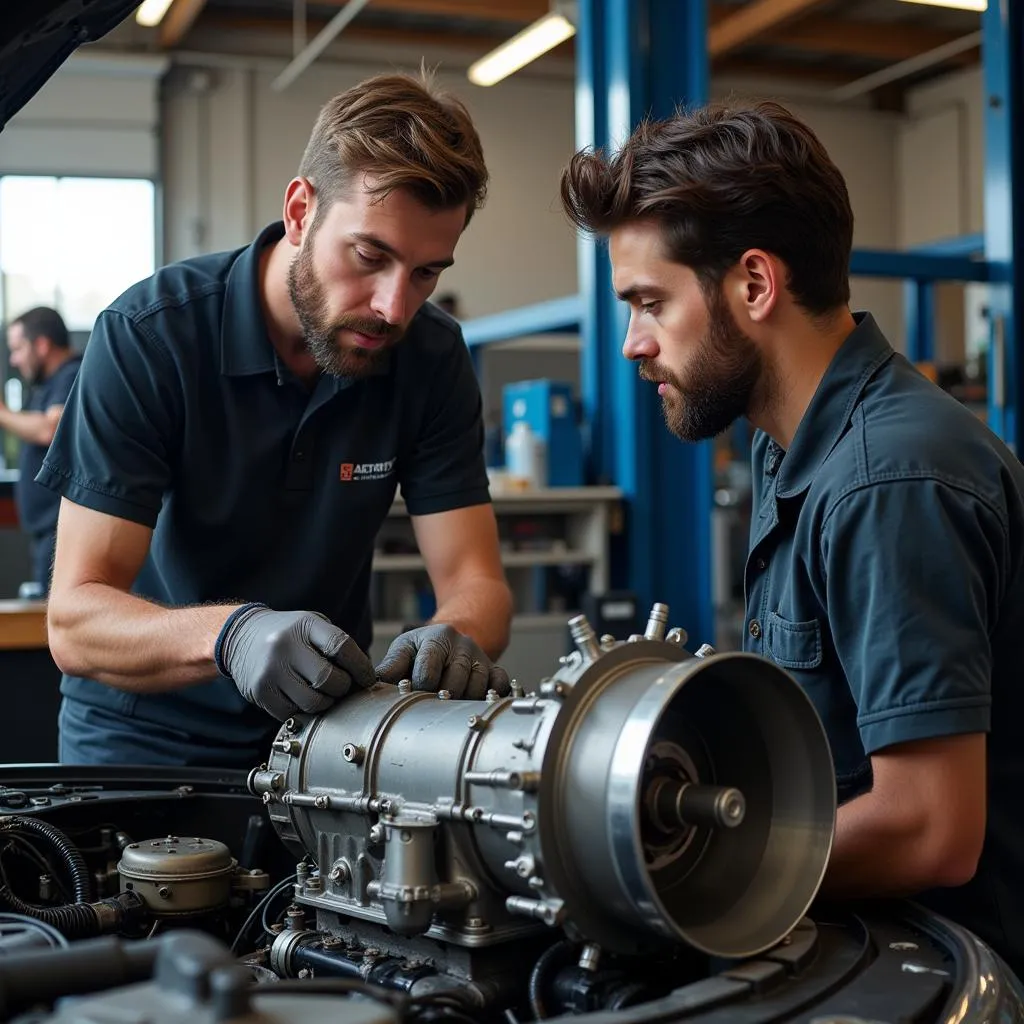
(638, 344)
(391, 297)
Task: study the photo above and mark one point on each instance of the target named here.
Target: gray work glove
(439, 657)
(290, 662)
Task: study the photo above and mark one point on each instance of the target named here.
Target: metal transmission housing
(641, 794)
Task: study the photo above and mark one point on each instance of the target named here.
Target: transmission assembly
(638, 838)
(640, 796)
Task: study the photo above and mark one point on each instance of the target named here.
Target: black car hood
(37, 36)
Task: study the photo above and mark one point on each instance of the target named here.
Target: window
(73, 243)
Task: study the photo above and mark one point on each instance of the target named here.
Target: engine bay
(639, 837)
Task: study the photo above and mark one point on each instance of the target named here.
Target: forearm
(482, 609)
(881, 850)
(33, 427)
(116, 638)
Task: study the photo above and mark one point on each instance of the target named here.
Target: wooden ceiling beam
(178, 20)
(753, 21)
(876, 41)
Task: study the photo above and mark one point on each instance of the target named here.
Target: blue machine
(547, 407)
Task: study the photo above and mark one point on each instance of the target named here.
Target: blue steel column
(638, 58)
(1003, 57)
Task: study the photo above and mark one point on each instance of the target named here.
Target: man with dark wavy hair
(241, 425)
(886, 561)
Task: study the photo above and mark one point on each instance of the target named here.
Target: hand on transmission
(439, 657)
(290, 662)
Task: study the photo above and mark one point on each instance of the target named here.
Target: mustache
(649, 372)
(373, 327)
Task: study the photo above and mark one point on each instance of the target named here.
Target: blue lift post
(1003, 61)
(638, 58)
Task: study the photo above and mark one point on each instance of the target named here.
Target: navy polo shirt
(183, 419)
(886, 573)
(37, 506)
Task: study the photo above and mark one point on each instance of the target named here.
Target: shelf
(509, 559)
(548, 499)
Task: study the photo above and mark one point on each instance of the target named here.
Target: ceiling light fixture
(959, 5)
(151, 12)
(534, 40)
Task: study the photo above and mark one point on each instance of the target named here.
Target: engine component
(195, 979)
(176, 876)
(640, 794)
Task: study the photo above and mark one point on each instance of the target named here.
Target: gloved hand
(439, 657)
(289, 662)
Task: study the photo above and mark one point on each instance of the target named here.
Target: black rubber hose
(552, 956)
(81, 880)
(75, 920)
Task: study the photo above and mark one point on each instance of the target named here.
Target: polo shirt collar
(833, 404)
(245, 346)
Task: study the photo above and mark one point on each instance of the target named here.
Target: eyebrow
(379, 243)
(635, 291)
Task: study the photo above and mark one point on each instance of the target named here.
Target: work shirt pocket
(794, 644)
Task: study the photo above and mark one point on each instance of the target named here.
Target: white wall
(231, 145)
(98, 115)
(940, 172)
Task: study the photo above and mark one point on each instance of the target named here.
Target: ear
(761, 280)
(299, 206)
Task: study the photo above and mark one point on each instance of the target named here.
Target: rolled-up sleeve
(915, 570)
(114, 446)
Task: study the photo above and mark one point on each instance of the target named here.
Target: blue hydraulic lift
(645, 57)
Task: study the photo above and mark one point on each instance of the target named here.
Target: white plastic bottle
(525, 455)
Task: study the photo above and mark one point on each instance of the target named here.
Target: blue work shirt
(37, 506)
(183, 419)
(886, 573)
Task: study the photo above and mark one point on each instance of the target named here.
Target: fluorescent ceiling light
(152, 12)
(536, 39)
(960, 5)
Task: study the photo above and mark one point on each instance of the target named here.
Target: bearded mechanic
(237, 433)
(886, 561)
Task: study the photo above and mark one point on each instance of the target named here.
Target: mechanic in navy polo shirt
(886, 561)
(39, 349)
(236, 437)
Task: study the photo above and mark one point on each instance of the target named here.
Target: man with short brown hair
(243, 422)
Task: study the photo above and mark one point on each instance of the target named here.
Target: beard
(725, 379)
(321, 331)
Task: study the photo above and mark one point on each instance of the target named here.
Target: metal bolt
(268, 798)
(376, 834)
(444, 694)
(492, 696)
(607, 641)
(404, 686)
(305, 973)
(517, 689)
(634, 637)
(338, 873)
(475, 722)
(677, 636)
(353, 753)
(704, 651)
(474, 922)
(321, 801)
(163, 892)
(289, 724)
(386, 806)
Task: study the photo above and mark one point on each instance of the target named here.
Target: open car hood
(37, 36)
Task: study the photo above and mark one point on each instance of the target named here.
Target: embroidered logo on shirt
(366, 470)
